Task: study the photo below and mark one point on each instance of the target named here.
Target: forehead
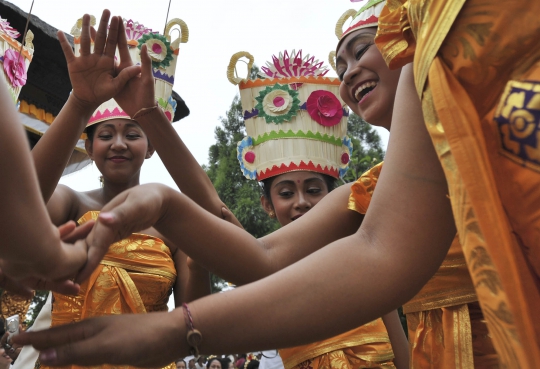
(298, 176)
(118, 123)
(358, 35)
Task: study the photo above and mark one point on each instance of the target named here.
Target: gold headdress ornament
(367, 16)
(15, 57)
(294, 117)
(162, 50)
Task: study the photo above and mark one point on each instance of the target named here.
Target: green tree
(367, 147)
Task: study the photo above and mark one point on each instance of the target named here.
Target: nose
(118, 143)
(350, 73)
(302, 202)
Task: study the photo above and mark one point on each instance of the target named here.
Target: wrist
(84, 108)
(150, 116)
(180, 331)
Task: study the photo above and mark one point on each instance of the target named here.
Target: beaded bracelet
(144, 111)
(194, 336)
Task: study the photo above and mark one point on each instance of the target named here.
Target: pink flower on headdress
(324, 107)
(15, 68)
(7, 29)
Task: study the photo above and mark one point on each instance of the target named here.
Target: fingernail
(107, 216)
(48, 355)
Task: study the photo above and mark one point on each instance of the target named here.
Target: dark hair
(210, 362)
(225, 362)
(90, 132)
(253, 364)
(266, 184)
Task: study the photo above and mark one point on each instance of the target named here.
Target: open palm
(93, 75)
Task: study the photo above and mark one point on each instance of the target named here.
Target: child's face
(368, 87)
(293, 194)
(119, 149)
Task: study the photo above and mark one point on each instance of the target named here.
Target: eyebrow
(353, 40)
(289, 181)
(110, 125)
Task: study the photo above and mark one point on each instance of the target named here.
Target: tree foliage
(367, 147)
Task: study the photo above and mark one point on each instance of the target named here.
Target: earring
(271, 214)
(101, 181)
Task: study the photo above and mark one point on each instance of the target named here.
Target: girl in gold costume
(463, 147)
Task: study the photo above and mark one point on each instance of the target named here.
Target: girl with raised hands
(138, 273)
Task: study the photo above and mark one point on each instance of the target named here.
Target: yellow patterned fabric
(442, 330)
(451, 337)
(136, 276)
(365, 347)
(479, 82)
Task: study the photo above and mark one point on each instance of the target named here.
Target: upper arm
(61, 205)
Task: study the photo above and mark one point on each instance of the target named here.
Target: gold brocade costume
(365, 347)
(136, 276)
(478, 78)
(446, 327)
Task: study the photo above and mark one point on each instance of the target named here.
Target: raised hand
(138, 92)
(92, 74)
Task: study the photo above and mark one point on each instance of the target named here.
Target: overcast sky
(217, 30)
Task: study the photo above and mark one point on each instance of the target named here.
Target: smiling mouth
(296, 217)
(364, 89)
(118, 159)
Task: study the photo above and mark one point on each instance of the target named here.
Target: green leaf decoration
(278, 119)
(300, 134)
(156, 36)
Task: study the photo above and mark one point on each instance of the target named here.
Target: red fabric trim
(275, 170)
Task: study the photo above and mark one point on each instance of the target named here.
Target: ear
(150, 151)
(267, 205)
(89, 148)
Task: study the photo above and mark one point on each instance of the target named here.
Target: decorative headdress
(294, 117)
(14, 57)
(367, 16)
(162, 51)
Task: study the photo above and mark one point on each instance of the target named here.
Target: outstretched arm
(401, 230)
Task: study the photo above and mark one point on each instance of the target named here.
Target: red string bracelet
(194, 336)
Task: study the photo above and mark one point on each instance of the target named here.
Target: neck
(111, 189)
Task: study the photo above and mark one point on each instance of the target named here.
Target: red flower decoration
(15, 68)
(324, 107)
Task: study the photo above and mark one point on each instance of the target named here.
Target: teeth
(358, 92)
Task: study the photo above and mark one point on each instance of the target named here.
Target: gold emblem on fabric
(518, 122)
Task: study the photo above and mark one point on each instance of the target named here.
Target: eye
(362, 50)
(133, 136)
(286, 193)
(314, 190)
(104, 136)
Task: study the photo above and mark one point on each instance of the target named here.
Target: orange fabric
(479, 82)
(451, 337)
(450, 286)
(365, 347)
(438, 319)
(136, 276)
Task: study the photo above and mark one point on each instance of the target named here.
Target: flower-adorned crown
(294, 117)
(15, 57)
(162, 51)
